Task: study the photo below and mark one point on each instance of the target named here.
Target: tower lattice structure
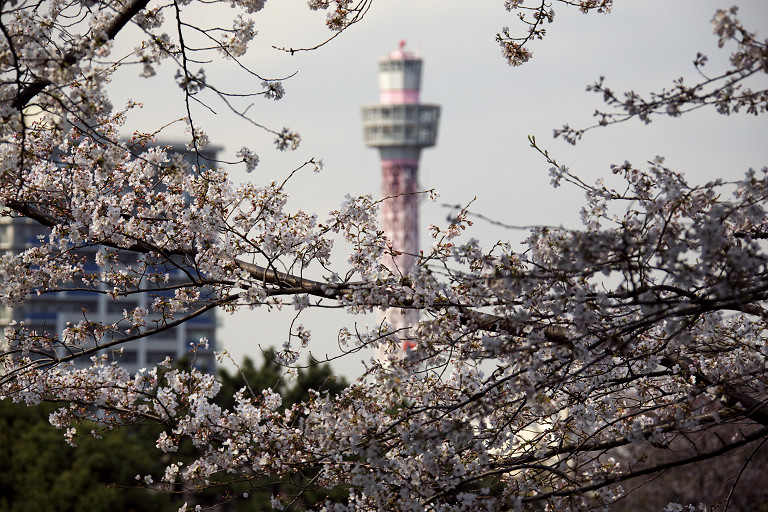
(400, 126)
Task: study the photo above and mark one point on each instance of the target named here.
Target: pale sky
(488, 110)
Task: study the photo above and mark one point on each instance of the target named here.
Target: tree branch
(27, 93)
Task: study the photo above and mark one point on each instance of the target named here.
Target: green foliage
(40, 471)
(315, 376)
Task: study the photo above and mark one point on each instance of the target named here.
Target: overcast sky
(488, 110)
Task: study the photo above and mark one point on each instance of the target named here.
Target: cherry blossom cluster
(534, 368)
(598, 339)
(738, 89)
(533, 16)
(341, 13)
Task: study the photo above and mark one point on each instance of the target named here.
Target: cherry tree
(542, 379)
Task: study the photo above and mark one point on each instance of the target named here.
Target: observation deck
(399, 125)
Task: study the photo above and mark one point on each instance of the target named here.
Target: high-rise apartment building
(50, 312)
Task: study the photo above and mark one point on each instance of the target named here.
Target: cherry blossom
(538, 375)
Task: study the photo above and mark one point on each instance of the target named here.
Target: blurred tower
(399, 126)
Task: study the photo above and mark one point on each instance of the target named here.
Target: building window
(158, 356)
(119, 306)
(126, 356)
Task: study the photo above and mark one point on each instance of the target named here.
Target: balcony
(412, 125)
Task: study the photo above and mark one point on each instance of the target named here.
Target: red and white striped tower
(399, 126)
